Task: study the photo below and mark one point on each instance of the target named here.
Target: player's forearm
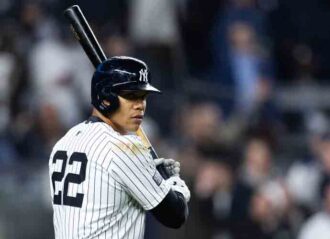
(172, 211)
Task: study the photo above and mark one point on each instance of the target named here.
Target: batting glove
(178, 185)
(172, 167)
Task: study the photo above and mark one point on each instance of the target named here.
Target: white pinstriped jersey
(102, 183)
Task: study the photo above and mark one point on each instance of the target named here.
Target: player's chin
(136, 122)
(135, 126)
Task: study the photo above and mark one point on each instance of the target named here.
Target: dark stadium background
(245, 107)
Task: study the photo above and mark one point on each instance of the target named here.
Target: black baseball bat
(84, 34)
(93, 50)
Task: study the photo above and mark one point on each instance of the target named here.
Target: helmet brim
(148, 88)
(138, 87)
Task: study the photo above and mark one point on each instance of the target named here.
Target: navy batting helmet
(117, 74)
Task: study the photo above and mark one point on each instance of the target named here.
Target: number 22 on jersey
(75, 178)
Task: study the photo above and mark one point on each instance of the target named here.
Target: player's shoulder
(68, 135)
(128, 152)
(134, 142)
(128, 142)
(76, 129)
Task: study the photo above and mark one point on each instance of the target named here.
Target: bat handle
(161, 169)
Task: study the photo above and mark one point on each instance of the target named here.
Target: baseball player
(103, 179)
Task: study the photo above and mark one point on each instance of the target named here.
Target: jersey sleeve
(134, 168)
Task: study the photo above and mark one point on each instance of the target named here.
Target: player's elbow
(173, 219)
(172, 211)
(177, 220)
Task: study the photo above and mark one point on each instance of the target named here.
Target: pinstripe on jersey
(117, 187)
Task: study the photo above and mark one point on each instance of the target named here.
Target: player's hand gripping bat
(93, 50)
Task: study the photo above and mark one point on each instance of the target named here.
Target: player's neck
(107, 121)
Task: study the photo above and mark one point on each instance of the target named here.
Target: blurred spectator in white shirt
(318, 226)
(153, 22)
(60, 77)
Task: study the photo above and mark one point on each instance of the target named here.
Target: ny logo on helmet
(143, 75)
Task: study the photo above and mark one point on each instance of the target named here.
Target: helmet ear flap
(113, 102)
(105, 94)
(106, 91)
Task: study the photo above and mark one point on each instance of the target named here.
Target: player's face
(128, 117)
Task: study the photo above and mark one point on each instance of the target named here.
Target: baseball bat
(84, 34)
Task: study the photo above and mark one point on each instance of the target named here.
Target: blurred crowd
(245, 108)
